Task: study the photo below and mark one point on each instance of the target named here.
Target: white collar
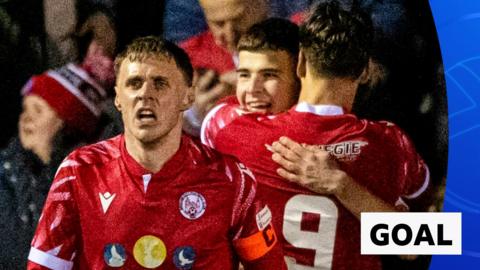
(319, 109)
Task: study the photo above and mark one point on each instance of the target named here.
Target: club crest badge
(114, 255)
(184, 257)
(192, 205)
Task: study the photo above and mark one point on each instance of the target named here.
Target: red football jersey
(205, 53)
(105, 210)
(317, 231)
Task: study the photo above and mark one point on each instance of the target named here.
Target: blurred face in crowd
(38, 123)
(266, 81)
(151, 95)
(228, 19)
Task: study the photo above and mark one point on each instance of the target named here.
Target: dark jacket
(24, 185)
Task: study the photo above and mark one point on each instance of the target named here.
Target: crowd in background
(80, 38)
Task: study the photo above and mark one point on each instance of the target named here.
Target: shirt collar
(319, 109)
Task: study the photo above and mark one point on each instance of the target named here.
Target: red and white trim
(48, 260)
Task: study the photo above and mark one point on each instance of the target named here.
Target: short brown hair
(337, 42)
(145, 47)
(271, 34)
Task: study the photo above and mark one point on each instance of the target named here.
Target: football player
(379, 169)
(152, 197)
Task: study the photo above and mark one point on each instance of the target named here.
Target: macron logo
(106, 199)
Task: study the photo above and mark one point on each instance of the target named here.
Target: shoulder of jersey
(388, 132)
(229, 111)
(204, 155)
(223, 164)
(231, 100)
(97, 153)
(384, 126)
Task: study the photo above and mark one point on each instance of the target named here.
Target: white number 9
(322, 241)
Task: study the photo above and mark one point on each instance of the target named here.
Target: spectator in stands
(62, 109)
(21, 55)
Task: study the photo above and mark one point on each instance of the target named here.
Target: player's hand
(308, 166)
(210, 88)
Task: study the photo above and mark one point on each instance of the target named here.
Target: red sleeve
(205, 53)
(413, 174)
(218, 117)
(231, 100)
(254, 237)
(54, 243)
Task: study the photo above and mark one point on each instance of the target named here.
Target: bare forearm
(358, 199)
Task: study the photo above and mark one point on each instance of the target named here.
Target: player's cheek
(241, 93)
(275, 92)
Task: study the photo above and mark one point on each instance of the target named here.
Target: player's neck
(153, 155)
(328, 91)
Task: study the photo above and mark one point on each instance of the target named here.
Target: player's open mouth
(259, 106)
(27, 131)
(146, 115)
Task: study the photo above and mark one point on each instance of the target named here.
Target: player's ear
(302, 64)
(365, 76)
(116, 101)
(188, 98)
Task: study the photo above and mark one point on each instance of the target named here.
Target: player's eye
(243, 75)
(160, 83)
(219, 24)
(269, 75)
(134, 83)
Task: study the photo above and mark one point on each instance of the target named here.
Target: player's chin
(151, 135)
(145, 135)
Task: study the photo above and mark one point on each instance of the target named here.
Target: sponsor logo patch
(263, 218)
(184, 257)
(343, 151)
(149, 251)
(114, 255)
(192, 205)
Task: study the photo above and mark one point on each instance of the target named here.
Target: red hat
(73, 94)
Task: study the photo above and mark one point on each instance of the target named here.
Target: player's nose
(254, 85)
(147, 91)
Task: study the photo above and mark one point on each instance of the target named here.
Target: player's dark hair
(144, 47)
(271, 34)
(335, 42)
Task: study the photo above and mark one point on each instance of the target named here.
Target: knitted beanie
(73, 94)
